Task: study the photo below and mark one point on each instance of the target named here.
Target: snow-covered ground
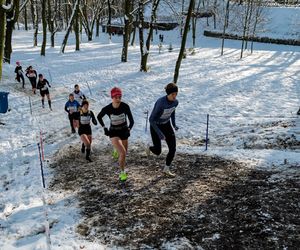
(252, 105)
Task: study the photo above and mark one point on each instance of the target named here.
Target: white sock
(166, 168)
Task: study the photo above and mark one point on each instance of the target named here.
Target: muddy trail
(212, 203)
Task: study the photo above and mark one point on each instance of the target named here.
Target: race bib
(44, 88)
(85, 119)
(72, 109)
(118, 119)
(167, 113)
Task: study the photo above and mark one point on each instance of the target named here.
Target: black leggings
(169, 134)
(73, 116)
(19, 77)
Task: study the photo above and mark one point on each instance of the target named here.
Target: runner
(43, 85)
(72, 108)
(119, 131)
(19, 74)
(85, 130)
(160, 125)
(78, 95)
(32, 76)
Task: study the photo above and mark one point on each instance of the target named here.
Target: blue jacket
(72, 106)
(162, 112)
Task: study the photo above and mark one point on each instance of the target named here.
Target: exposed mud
(212, 203)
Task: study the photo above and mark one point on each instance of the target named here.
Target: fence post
(41, 163)
(30, 105)
(50, 75)
(42, 147)
(147, 113)
(206, 139)
(89, 88)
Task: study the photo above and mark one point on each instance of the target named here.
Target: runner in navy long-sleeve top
(43, 85)
(85, 130)
(160, 125)
(72, 108)
(119, 130)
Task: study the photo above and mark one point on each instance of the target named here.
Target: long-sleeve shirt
(79, 96)
(118, 116)
(18, 70)
(31, 74)
(162, 112)
(86, 117)
(43, 85)
(72, 107)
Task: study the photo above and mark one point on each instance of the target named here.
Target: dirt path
(212, 203)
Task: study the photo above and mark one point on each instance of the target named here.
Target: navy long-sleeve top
(163, 111)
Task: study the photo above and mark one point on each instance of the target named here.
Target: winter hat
(171, 88)
(18, 63)
(115, 92)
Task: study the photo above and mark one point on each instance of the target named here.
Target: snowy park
(237, 164)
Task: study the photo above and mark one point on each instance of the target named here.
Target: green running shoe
(115, 154)
(123, 176)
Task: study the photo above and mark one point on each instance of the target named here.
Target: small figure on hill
(19, 74)
(72, 108)
(43, 85)
(32, 76)
(78, 95)
(85, 130)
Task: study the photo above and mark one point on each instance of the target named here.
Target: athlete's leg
(156, 148)
(117, 143)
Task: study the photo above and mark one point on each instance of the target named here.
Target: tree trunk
(225, 26)
(194, 24)
(183, 42)
(64, 43)
(134, 32)
(97, 27)
(11, 18)
(245, 27)
(150, 34)
(257, 16)
(182, 17)
(76, 29)
(141, 33)
(35, 21)
(2, 34)
(249, 24)
(44, 23)
(25, 17)
(109, 19)
(127, 29)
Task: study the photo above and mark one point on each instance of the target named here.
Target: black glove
(106, 131)
(176, 128)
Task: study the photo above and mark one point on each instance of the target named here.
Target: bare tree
(225, 25)
(150, 34)
(34, 20)
(89, 14)
(44, 23)
(183, 41)
(71, 20)
(127, 29)
(11, 18)
(141, 32)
